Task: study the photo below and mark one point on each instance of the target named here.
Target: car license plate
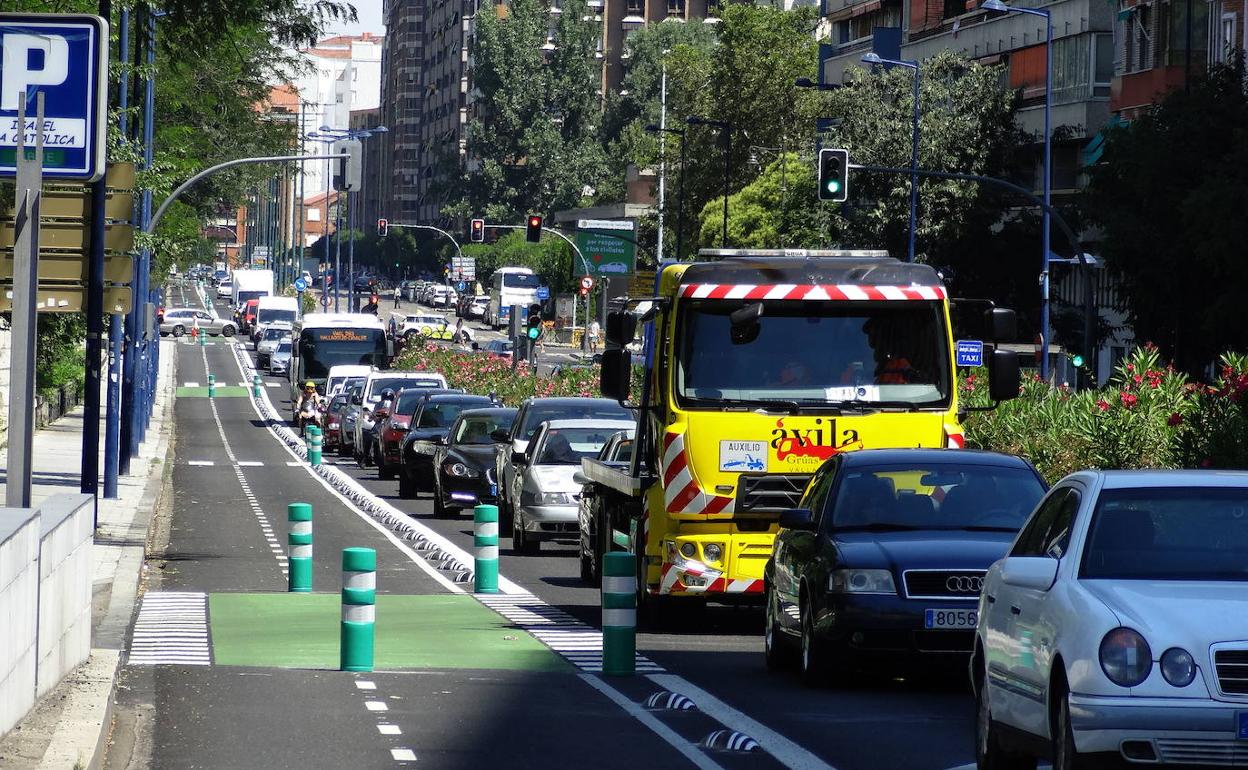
(493, 490)
(1243, 725)
(950, 618)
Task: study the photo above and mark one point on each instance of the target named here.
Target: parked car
(279, 359)
(332, 439)
(269, 339)
(497, 348)
(388, 433)
(534, 412)
(618, 451)
(547, 489)
(1117, 627)
(430, 426)
(464, 463)
(883, 560)
(179, 321)
(225, 289)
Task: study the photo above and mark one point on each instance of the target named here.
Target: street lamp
(874, 58)
(327, 141)
(725, 131)
(997, 5)
(680, 192)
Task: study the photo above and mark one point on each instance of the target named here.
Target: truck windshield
(270, 315)
(521, 281)
(319, 349)
(885, 354)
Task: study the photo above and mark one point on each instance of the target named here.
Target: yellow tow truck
(759, 366)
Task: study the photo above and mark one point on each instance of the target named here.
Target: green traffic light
(833, 186)
(1077, 360)
(534, 332)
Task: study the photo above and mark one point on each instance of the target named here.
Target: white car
(477, 308)
(268, 342)
(1117, 627)
(225, 289)
(549, 491)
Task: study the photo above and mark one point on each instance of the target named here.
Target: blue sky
(369, 12)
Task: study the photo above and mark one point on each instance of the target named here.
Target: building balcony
(1133, 91)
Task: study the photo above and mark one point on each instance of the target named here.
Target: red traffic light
(476, 232)
(383, 226)
(533, 229)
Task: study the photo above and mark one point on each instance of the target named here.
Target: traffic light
(533, 231)
(534, 321)
(1076, 360)
(833, 175)
(476, 232)
(348, 171)
(383, 227)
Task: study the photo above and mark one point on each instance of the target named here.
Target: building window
(1221, 33)
(676, 8)
(1136, 28)
(862, 26)
(314, 215)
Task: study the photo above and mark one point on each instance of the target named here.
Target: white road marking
(250, 463)
(376, 705)
(403, 755)
(689, 750)
(171, 628)
(389, 730)
(200, 462)
(190, 384)
(364, 684)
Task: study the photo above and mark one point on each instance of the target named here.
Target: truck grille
(770, 494)
(943, 584)
(1232, 668)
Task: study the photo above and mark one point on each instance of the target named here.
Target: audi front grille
(943, 584)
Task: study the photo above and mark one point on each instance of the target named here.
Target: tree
(1170, 193)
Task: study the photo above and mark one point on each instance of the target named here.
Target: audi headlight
(713, 551)
(1178, 667)
(1125, 657)
(460, 470)
(861, 581)
(553, 498)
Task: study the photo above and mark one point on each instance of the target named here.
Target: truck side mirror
(617, 371)
(621, 328)
(1004, 378)
(1002, 324)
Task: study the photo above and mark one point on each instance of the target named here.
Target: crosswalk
(576, 642)
(172, 628)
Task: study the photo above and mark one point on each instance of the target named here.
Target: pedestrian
(459, 331)
(398, 293)
(594, 329)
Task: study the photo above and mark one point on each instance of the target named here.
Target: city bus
(324, 340)
(510, 286)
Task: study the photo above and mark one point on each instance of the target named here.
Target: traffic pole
(212, 386)
(299, 540)
(619, 614)
(359, 597)
(485, 541)
(313, 434)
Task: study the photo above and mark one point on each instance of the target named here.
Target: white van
(377, 382)
(339, 374)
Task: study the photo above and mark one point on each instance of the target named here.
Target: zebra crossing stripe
(575, 642)
(171, 629)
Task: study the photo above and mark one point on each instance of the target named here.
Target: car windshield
(566, 446)
(477, 429)
(443, 413)
(276, 334)
(936, 496)
(283, 346)
(272, 314)
(895, 353)
(399, 383)
(1195, 533)
(592, 410)
(409, 400)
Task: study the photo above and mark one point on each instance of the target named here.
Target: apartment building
(402, 107)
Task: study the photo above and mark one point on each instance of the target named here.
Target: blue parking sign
(63, 56)
(970, 353)
(543, 292)
(301, 285)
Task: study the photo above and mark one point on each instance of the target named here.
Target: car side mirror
(1034, 572)
(1004, 378)
(798, 518)
(520, 458)
(500, 435)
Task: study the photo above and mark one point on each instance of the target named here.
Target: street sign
(970, 353)
(70, 299)
(464, 268)
(604, 253)
(301, 285)
(325, 299)
(64, 56)
(587, 282)
(641, 284)
(461, 286)
(543, 292)
(61, 267)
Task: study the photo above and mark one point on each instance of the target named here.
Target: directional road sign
(301, 285)
(970, 353)
(70, 299)
(543, 292)
(65, 57)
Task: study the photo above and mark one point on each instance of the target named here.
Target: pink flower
(1103, 405)
(1175, 419)
(1128, 400)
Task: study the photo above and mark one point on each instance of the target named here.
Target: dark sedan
(464, 463)
(430, 425)
(391, 430)
(333, 423)
(885, 557)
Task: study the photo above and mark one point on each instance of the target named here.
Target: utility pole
(662, 156)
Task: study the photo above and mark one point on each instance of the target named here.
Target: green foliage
(551, 259)
(1170, 193)
(59, 352)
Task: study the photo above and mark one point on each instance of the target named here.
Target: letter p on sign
(31, 60)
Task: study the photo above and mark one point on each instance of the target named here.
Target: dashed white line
(376, 705)
(364, 684)
(201, 462)
(389, 730)
(250, 463)
(403, 755)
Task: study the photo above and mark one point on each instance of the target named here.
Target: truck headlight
(1125, 657)
(713, 551)
(688, 550)
(861, 581)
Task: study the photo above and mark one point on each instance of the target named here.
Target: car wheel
(776, 650)
(813, 659)
(227, 331)
(989, 755)
(586, 561)
(439, 509)
(179, 330)
(521, 543)
(1065, 756)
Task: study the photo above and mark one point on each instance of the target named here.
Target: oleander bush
(478, 373)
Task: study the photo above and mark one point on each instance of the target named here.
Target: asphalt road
(511, 710)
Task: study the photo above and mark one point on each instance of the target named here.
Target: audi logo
(964, 584)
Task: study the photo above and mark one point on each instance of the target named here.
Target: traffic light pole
(447, 235)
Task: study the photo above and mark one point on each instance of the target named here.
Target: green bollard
(203, 337)
(299, 574)
(359, 599)
(485, 541)
(313, 434)
(256, 384)
(212, 386)
(619, 614)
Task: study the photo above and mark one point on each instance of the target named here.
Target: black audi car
(429, 427)
(885, 557)
(464, 463)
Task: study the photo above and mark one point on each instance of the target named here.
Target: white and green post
(256, 383)
(485, 541)
(299, 539)
(313, 434)
(359, 599)
(212, 386)
(619, 614)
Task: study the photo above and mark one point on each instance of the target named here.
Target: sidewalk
(69, 725)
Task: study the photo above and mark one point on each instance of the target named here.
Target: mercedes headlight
(861, 581)
(1125, 657)
(1178, 667)
(460, 470)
